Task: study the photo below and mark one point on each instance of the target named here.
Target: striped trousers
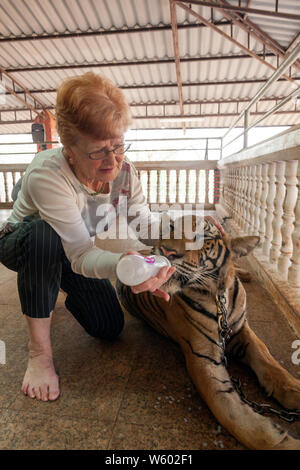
(35, 252)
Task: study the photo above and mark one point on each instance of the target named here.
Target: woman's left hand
(154, 284)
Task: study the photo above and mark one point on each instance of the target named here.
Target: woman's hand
(154, 283)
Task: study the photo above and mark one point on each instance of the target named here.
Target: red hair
(91, 105)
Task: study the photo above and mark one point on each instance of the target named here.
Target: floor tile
(162, 437)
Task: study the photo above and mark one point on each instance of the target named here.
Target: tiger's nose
(167, 252)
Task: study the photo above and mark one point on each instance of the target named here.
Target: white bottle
(134, 269)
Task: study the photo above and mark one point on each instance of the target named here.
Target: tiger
(190, 318)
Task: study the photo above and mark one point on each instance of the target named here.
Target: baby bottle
(134, 269)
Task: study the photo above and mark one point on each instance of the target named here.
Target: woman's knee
(111, 332)
(106, 322)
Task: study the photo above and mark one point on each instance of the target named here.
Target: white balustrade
(157, 178)
(261, 192)
(9, 175)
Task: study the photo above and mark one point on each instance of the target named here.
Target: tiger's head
(204, 259)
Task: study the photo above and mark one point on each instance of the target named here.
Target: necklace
(93, 194)
(70, 162)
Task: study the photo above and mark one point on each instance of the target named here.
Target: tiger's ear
(242, 246)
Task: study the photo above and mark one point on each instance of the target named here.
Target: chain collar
(224, 333)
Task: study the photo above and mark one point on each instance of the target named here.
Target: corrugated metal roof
(107, 34)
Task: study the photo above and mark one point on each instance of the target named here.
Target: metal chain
(224, 334)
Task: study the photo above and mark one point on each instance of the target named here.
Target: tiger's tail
(250, 428)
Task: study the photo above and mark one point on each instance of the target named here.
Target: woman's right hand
(154, 283)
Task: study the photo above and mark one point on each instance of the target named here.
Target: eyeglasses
(102, 153)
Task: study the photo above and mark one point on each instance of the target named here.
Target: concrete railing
(260, 191)
(179, 182)
(163, 182)
(9, 175)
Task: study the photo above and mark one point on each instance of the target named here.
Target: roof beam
(189, 116)
(176, 55)
(109, 32)
(234, 41)
(253, 11)
(167, 103)
(172, 85)
(197, 116)
(133, 63)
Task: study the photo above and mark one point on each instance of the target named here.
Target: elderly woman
(48, 239)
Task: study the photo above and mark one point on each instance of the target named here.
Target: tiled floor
(133, 393)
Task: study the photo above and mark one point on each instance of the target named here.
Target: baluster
(168, 187)
(294, 270)
(223, 188)
(148, 185)
(247, 200)
(257, 198)
(263, 203)
(197, 199)
(227, 185)
(252, 208)
(158, 188)
(222, 200)
(206, 186)
(6, 187)
(288, 218)
(233, 198)
(239, 196)
(230, 188)
(227, 189)
(177, 185)
(14, 178)
(278, 212)
(187, 180)
(270, 205)
(242, 197)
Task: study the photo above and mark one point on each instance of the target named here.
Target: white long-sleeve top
(51, 191)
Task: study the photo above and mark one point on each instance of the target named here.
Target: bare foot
(40, 380)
